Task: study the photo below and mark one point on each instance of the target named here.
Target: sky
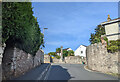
(71, 23)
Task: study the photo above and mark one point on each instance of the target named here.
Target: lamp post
(43, 32)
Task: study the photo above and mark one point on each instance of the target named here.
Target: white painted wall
(80, 51)
(59, 54)
(69, 49)
(112, 29)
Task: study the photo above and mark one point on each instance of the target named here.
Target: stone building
(112, 28)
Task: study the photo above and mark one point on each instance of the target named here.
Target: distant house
(112, 28)
(80, 51)
(58, 53)
(68, 49)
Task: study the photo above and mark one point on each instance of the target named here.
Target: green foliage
(70, 53)
(52, 53)
(58, 57)
(113, 46)
(96, 37)
(65, 53)
(58, 50)
(20, 27)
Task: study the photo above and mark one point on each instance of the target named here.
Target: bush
(113, 46)
(70, 53)
(58, 57)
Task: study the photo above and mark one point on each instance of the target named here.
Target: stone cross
(61, 53)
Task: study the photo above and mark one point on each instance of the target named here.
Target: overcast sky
(70, 23)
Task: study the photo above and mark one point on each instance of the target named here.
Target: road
(37, 73)
(75, 72)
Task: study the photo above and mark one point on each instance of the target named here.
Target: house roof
(66, 48)
(84, 45)
(111, 21)
(79, 46)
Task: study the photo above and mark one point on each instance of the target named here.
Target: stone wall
(100, 60)
(16, 62)
(47, 59)
(55, 60)
(75, 59)
(71, 60)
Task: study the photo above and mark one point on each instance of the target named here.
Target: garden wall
(16, 62)
(100, 60)
(71, 60)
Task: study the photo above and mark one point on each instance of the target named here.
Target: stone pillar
(61, 53)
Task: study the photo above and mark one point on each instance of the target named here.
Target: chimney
(108, 19)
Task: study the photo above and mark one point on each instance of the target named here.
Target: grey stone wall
(75, 59)
(16, 62)
(71, 60)
(100, 60)
(55, 60)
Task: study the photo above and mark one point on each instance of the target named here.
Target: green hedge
(113, 46)
(20, 28)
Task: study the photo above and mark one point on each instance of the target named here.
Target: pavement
(75, 72)
(38, 73)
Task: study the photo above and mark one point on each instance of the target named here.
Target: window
(81, 52)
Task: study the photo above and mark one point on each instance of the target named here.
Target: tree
(70, 53)
(20, 28)
(58, 50)
(52, 53)
(65, 53)
(96, 37)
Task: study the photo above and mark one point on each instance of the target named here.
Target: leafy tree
(58, 50)
(65, 53)
(52, 53)
(70, 53)
(20, 28)
(96, 37)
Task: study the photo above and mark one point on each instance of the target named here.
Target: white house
(112, 28)
(68, 49)
(80, 51)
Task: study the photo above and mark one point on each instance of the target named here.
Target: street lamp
(43, 32)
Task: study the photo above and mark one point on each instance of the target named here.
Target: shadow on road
(57, 72)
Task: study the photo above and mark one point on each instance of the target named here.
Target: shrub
(113, 46)
(58, 57)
